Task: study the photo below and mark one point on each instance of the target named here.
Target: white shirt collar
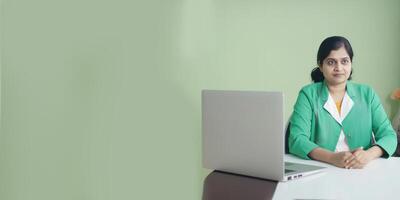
(330, 106)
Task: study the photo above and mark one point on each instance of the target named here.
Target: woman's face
(336, 68)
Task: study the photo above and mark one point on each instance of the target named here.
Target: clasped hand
(355, 159)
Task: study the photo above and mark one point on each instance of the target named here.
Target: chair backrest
(397, 153)
(287, 133)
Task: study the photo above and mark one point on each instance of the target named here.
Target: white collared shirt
(330, 106)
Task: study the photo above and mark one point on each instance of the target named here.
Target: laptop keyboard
(288, 171)
(288, 164)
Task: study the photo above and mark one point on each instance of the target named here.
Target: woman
(336, 120)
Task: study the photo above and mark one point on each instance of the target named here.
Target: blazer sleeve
(300, 127)
(385, 136)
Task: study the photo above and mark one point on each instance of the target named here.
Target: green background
(101, 99)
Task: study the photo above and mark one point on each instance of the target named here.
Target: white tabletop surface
(380, 179)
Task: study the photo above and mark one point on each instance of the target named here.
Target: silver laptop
(243, 133)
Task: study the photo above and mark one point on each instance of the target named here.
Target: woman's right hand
(341, 159)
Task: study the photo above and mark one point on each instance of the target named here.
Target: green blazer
(312, 125)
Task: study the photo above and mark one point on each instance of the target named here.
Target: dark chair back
(397, 153)
(287, 133)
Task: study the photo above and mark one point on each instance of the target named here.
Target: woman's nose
(338, 67)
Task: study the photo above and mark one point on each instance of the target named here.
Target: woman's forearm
(375, 152)
(321, 154)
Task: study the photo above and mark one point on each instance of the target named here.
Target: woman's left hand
(359, 159)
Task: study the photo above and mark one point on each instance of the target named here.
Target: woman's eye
(345, 61)
(330, 62)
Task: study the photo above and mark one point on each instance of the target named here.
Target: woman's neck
(337, 91)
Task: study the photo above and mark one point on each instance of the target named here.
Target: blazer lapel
(330, 106)
(347, 104)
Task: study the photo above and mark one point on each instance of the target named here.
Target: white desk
(380, 179)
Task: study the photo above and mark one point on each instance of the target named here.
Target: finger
(358, 149)
(357, 163)
(347, 157)
(358, 153)
(353, 162)
(352, 165)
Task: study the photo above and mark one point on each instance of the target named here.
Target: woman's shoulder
(362, 91)
(359, 88)
(310, 91)
(312, 87)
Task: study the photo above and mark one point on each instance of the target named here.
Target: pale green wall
(101, 99)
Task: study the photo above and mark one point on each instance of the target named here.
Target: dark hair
(329, 44)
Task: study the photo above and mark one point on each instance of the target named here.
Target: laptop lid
(243, 132)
